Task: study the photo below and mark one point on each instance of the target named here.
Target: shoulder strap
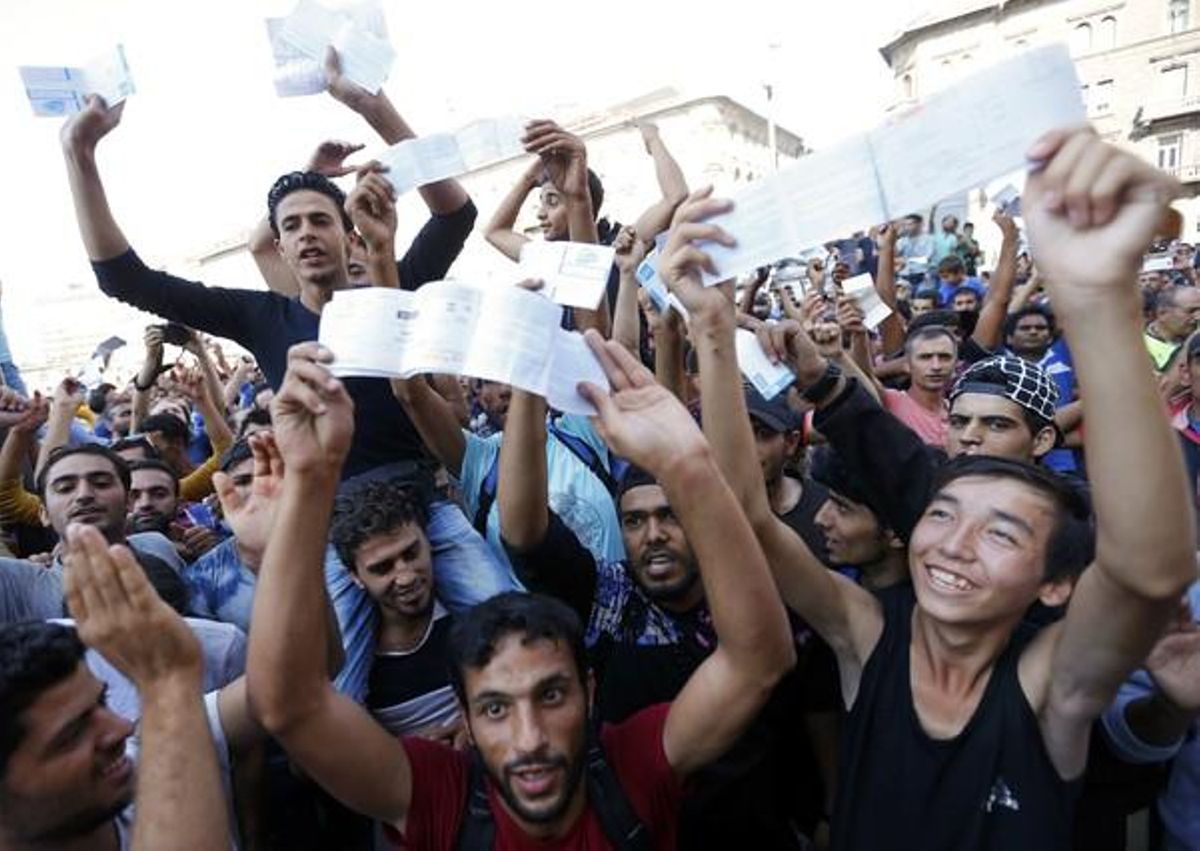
(487, 496)
(585, 453)
(477, 831)
(617, 819)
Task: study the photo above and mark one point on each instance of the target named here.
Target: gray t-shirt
(31, 592)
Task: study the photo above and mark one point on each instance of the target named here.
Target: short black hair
(1010, 323)
(915, 217)
(237, 453)
(964, 289)
(34, 657)
(61, 452)
(373, 508)
(1072, 544)
(951, 263)
(294, 181)
(633, 477)
(596, 191)
(945, 318)
(928, 332)
(136, 441)
(254, 417)
(165, 580)
(168, 425)
(155, 464)
(97, 399)
(476, 632)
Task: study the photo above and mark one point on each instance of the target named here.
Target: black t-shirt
(407, 691)
(268, 324)
(992, 786)
(802, 517)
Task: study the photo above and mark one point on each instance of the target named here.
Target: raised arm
(442, 197)
(117, 612)
(1091, 211)
(990, 327)
(327, 734)
(845, 615)
(68, 396)
(627, 327)
(892, 328)
(670, 367)
(523, 490)
(372, 208)
(499, 231)
(643, 422)
(102, 237)
(671, 183)
(435, 421)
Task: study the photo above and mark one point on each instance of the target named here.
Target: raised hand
(850, 317)
(789, 343)
(1007, 225)
(252, 517)
(312, 414)
(1091, 211)
(563, 154)
(630, 251)
(84, 130)
(69, 394)
(342, 88)
(119, 613)
(650, 135)
(1174, 663)
(329, 158)
(24, 416)
(681, 262)
(639, 419)
(371, 206)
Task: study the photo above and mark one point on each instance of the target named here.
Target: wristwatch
(824, 385)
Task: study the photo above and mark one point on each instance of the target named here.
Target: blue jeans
(12, 378)
(465, 572)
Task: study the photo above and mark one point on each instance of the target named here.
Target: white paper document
(769, 379)
(61, 90)
(648, 279)
(1158, 263)
(500, 334)
(427, 159)
(962, 137)
(574, 273)
(861, 288)
(358, 33)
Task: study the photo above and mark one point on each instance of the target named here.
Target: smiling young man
(988, 725)
(519, 662)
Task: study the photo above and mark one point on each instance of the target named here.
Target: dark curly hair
(294, 181)
(374, 508)
(33, 658)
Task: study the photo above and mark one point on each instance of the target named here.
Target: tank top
(992, 786)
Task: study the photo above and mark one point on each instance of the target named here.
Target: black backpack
(619, 822)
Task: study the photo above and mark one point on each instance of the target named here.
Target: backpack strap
(487, 496)
(583, 450)
(478, 830)
(618, 821)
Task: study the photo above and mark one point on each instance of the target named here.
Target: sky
(205, 134)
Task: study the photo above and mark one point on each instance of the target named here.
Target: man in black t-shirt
(964, 730)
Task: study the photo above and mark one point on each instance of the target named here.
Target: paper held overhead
(56, 90)
(861, 288)
(769, 379)
(573, 273)
(962, 137)
(428, 159)
(502, 334)
(358, 33)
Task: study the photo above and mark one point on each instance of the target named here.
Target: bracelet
(824, 385)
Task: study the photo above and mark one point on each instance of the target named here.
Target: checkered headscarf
(1025, 383)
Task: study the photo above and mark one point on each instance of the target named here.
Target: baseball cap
(1015, 379)
(774, 413)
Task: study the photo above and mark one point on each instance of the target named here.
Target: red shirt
(634, 751)
(931, 426)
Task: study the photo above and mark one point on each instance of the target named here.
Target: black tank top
(992, 786)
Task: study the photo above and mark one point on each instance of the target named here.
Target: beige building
(714, 138)
(1138, 62)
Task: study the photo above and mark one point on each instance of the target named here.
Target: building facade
(1138, 63)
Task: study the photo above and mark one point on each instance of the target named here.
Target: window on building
(1101, 100)
(1108, 32)
(1169, 150)
(1177, 15)
(1081, 39)
(908, 87)
(1172, 83)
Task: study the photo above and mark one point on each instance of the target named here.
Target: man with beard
(1032, 335)
(932, 352)
(154, 506)
(379, 532)
(87, 484)
(518, 663)
(1176, 312)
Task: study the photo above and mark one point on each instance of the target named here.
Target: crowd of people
(940, 593)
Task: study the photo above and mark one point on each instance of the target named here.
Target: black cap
(774, 413)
